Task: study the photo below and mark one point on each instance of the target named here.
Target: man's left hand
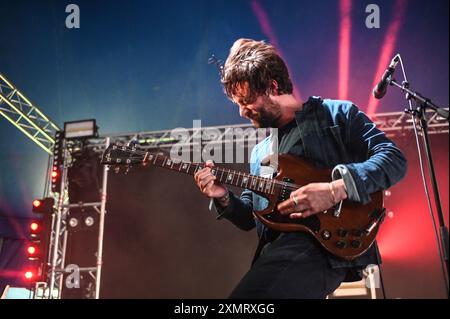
(312, 199)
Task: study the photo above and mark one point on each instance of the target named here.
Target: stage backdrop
(162, 241)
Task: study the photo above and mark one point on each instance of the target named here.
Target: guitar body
(346, 234)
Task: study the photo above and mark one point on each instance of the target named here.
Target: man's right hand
(207, 184)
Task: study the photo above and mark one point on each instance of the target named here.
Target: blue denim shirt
(332, 134)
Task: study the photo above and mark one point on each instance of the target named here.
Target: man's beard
(267, 116)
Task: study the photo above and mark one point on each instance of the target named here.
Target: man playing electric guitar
(329, 134)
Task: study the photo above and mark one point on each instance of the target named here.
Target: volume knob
(342, 232)
(356, 243)
(326, 234)
(341, 244)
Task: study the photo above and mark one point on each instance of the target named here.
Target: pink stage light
(263, 19)
(344, 47)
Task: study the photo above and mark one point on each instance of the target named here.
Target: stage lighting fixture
(35, 229)
(33, 274)
(33, 248)
(56, 179)
(33, 251)
(73, 222)
(78, 129)
(37, 247)
(89, 221)
(43, 206)
(36, 203)
(58, 162)
(29, 274)
(82, 220)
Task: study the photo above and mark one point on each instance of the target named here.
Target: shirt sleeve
(239, 211)
(385, 164)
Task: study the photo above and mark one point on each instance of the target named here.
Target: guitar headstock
(117, 156)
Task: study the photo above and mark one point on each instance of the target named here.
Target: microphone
(379, 91)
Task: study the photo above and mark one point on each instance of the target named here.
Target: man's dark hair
(257, 63)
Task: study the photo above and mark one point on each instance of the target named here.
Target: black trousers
(292, 266)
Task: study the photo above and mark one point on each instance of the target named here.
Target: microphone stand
(419, 114)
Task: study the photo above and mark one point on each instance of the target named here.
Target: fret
(268, 186)
(230, 177)
(227, 176)
(245, 180)
(261, 185)
(174, 165)
(223, 177)
(199, 167)
(254, 181)
(237, 179)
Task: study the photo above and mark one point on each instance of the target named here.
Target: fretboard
(225, 176)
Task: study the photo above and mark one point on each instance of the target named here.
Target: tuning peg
(127, 170)
(117, 169)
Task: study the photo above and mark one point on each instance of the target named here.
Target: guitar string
(140, 153)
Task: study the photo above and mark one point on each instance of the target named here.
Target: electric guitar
(347, 230)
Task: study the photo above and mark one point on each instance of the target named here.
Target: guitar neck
(225, 176)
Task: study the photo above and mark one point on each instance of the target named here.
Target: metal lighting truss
(18, 110)
(400, 123)
(55, 284)
(393, 124)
